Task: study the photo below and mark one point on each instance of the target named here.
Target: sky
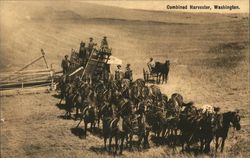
(161, 4)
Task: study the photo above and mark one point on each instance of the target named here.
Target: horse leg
(77, 113)
(157, 75)
(146, 143)
(163, 78)
(163, 132)
(122, 141)
(139, 142)
(175, 138)
(222, 144)
(69, 111)
(98, 122)
(216, 143)
(105, 142)
(158, 135)
(183, 140)
(166, 77)
(60, 101)
(110, 141)
(159, 78)
(85, 128)
(94, 124)
(207, 144)
(127, 140)
(91, 126)
(116, 143)
(130, 140)
(169, 136)
(201, 144)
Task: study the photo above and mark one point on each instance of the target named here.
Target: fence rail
(26, 78)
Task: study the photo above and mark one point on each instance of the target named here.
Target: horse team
(124, 109)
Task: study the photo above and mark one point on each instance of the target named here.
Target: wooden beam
(24, 83)
(43, 53)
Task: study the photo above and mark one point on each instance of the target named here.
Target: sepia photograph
(124, 78)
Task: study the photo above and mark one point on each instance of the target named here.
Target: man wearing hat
(118, 73)
(82, 53)
(65, 64)
(91, 45)
(128, 73)
(104, 43)
(151, 64)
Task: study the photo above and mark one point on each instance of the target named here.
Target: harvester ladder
(87, 63)
(102, 61)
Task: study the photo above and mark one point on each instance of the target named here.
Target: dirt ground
(209, 65)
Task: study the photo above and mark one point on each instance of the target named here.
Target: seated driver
(151, 64)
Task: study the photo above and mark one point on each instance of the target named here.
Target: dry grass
(209, 64)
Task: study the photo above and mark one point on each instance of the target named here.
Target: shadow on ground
(97, 132)
(61, 106)
(79, 132)
(58, 96)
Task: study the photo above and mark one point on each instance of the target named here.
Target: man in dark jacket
(82, 53)
(91, 45)
(128, 73)
(104, 43)
(65, 64)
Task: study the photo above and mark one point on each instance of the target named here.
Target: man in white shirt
(118, 73)
(151, 64)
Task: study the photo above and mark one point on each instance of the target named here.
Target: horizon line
(160, 6)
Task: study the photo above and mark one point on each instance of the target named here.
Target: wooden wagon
(150, 76)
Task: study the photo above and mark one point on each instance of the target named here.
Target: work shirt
(65, 63)
(91, 46)
(118, 74)
(128, 74)
(82, 52)
(152, 64)
(104, 44)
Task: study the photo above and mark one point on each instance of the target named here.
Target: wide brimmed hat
(216, 109)
(119, 66)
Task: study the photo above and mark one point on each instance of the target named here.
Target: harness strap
(111, 123)
(85, 109)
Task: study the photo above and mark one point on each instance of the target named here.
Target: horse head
(236, 120)
(167, 62)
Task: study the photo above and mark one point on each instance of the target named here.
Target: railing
(28, 78)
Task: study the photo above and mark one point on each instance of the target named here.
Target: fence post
(52, 77)
(22, 80)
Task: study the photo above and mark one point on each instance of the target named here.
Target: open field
(209, 55)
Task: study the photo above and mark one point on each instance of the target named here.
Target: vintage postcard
(124, 78)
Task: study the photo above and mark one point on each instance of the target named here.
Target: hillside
(28, 26)
(209, 56)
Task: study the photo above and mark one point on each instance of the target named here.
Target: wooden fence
(31, 79)
(28, 78)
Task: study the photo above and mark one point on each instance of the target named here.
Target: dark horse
(222, 130)
(112, 127)
(162, 69)
(89, 113)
